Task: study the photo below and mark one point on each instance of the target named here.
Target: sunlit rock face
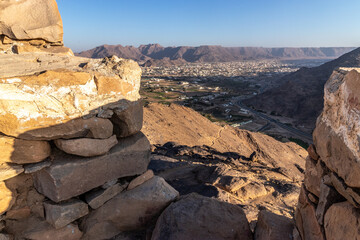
(330, 198)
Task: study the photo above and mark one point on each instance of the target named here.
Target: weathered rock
(34, 167)
(353, 196)
(18, 213)
(198, 217)
(9, 171)
(312, 152)
(251, 191)
(60, 215)
(93, 127)
(129, 120)
(20, 151)
(7, 198)
(97, 198)
(342, 222)
(328, 196)
(338, 128)
(313, 175)
(141, 179)
(305, 218)
(46, 100)
(86, 147)
(271, 226)
(71, 176)
(130, 210)
(37, 229)
(4, 236)
(45, 22)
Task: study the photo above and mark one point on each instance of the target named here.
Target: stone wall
(329, 201)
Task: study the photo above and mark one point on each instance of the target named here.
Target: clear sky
(261, 23)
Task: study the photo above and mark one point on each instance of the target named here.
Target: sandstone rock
(23, 151)
(4, 236)
(312, 152)
(34, 167)
(7, 198)
(198, 217)
(130, 210)
(353, 196)
(128, 121)
(18, 213)
(251, 191)
(141, 179)
(271, 226)
(45, 22)
(86, 147)
(46, 100)
(305, 218)
(342, 222)
(97, 198)
(313, 175)
(9, 171)
(60, 215)
(328, 196)
(338, 127)
(71, 176)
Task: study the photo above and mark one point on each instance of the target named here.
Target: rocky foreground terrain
(82, 159)
(157, 55)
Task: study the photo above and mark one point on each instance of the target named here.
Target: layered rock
(329, 203)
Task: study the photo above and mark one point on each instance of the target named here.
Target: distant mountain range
(300, 94)
(155, 54)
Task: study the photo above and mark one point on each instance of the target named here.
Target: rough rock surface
(20, 151)
(129, 120)
(60, 215)
(130, 210)
(9, 171)
(70, 176)
(86, 147)
(198, 217)
(273, 227)
(141, 179)
(45, 21)
(97, 198)
(6, 198)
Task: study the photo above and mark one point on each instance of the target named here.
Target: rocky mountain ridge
(155, 53)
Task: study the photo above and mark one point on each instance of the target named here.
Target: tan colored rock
(271, 226)
(97, 198)
(128, 121)
(251, 191)
(198, 217)
(141, 179)
(338, 128)
(70, 176)
(20, 151)
(342, 222)
(86, 147)
(93, 127)
(7, 198)
(4, 236)
(27, 47)
(313, 175)
(18, 213)
(351, 195)
(130, 210)
(45, 22)
(49, 99)
(9, 171)
(312, 152)
(305, 218)
(62, 214)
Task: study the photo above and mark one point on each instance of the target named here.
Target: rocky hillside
(300, 96)
(240, 167)
(157, 54)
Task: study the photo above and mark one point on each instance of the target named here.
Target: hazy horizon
(261, 23)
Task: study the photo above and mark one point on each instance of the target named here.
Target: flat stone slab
(70, 175)
(97, 198)
(60, 215)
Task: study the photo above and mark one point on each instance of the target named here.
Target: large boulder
(198, 217)
(70, 175)
(338, 128)
(35, 19)
(130, 210)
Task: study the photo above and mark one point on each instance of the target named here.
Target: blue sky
(261, 23)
